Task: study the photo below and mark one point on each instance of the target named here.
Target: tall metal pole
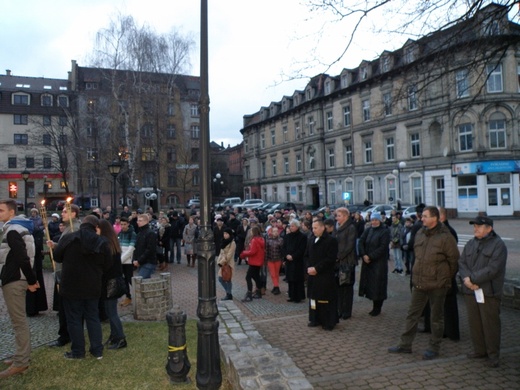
(209, 375)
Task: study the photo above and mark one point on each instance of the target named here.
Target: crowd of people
(317, 256)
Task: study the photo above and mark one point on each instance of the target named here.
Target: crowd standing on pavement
(316, 255)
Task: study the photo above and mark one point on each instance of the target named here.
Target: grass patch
(142, 365)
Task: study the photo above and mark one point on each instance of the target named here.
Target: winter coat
(484, 262)
(227, 256)
(373, 280)
(256, 252)
(294, 244)
(346, 236)
(145, 246)
(436, 256)
(273, 248)
(322, 255)
(85, 257)
(127, 242)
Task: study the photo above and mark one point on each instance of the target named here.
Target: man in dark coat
(320, 256)
(85, 257)
(144, 255)
(374, 250)
(294, 245)
(177, 224)
(346, 234)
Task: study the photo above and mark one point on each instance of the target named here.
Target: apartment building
(435, 121)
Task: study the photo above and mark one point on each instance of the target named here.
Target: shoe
(375, 312)
(290, 300)
(345, 316)
(493, 362)
(13, 371)
(126, 302)
(257, 295)
(71, 356)
(57, 343)
(98, 357)
(276, 291)
(312, 324)
(400, 271)
(109, 341)
(118, 344)
(429, 355)
(248, 297)
(327, 327)
(228, 297)
(469, 355)
(394, 271)
(399, 349)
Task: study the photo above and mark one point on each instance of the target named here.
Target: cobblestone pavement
(354, 355)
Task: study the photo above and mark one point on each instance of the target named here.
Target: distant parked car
(228, 202)
(378, 208)
(250, 203)
(280, 206)
(409, 211)
(193, 203)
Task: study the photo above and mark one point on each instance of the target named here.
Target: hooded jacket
(17, 251)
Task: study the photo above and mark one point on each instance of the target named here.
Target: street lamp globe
(395, 172)
(402, 165)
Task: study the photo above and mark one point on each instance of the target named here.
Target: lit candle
(67, 205)
(43, 215)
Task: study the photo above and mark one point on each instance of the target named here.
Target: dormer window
(20, 99)
(47, 100)
(63, 101)
(409, 55)
(344, 80)
(363, 73)
(385, 64)
(308, 94)
(327, 87)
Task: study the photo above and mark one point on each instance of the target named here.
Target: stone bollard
(178, 365)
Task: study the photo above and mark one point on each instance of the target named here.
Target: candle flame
(43, 203)
(69, 199)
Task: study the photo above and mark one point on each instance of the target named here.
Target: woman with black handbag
(113, 287)
(226, 263)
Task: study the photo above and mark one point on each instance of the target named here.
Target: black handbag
(344, 274)
(116, 287)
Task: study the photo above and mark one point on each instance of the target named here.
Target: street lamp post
(114, 168)
(209, 375)
(25, 177)
(217, 184)
(400, 167)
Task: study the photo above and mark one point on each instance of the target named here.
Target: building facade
(435, 122)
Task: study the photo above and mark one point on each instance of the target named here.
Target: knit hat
(376, 215)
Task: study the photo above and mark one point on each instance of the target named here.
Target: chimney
(8, 72)
(222, 144)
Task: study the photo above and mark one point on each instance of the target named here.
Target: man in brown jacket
(436, 256)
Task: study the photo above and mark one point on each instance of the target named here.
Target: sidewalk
(354, 355)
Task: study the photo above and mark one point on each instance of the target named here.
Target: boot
(228, 297)
(248, 297)
(276, 291)
(118, 344)
(188, 259)
(377, 305)
(258, 294)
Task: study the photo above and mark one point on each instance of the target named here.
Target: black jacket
(16, 260)
(145, 246)
(85, 257)
(322, 255)
(294, 244)
(373, 280)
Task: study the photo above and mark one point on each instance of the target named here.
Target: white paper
(313, 304)
(479, 295)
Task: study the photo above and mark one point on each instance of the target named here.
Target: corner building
(435, 121)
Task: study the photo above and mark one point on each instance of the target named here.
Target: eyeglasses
(427, 216)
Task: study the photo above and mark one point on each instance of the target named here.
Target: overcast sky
(251, 44)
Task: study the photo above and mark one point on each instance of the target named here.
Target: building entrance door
(499, 201)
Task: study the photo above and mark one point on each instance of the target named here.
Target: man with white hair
(293, 250)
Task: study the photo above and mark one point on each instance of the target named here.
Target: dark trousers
(253, 273)
(484, 325)
(345, 300)
(76, 311)
(116, 327)
(297, 290)
(128, 273)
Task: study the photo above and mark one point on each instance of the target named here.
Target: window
(369, 190)
(348, 186)
(273, 137)
(171, 155)
(92, 154)
(62, 120)
(285, 134)
(91, 106)
(346, 115)
(385, 64)
(264, 170)
(46, 100)
(412, 98)
(92, 179)
(298, 163)
(332, 192)
(465, 137)
(391, 188)
(20, 119)
(297, 130)
(415, 145)
(195, 178)
(363, 73)
(390, 149)
(409, 55)
(46, 120)
(195, 131)
(170, 131)
(494, 81)
(170, 111)
(273, 165)
(368, 152)
(147, 131)
(147, 154)
(195, 154)
(21, 139)
(417, 190)
(247, 172)
(300, 193)
(246, 145)
(348, 155)
(46, 139)
(172, 178)
(462, 83)
(47, 162)
(366, 110)
(29, 162)
(387, 102)
(440, 192)
(518, 75)
(327, 87)
(11, 162)
(91, 130)
(275, 193)
(310, 123)
(330, 121)
(194, 110)
(331, 158)
(344, 80)
(63, 101)
(286, 165)
(497, 134)
(262, 141)
(91, 85)
(491, 26)
(20, 100)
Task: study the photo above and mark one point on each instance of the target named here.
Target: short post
(178, 365)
